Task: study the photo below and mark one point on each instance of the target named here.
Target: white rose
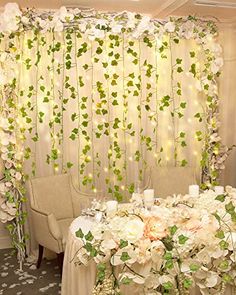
(133, 230)
(169, 27)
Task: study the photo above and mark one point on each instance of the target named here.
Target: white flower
(64, 15)
(135, 278)
(18, 176)
(108, 245)
(132, 231)
(101, 23)
(5, 139)
(8, 165)
(4, 124)
(143, 26)
(10, 18)
(3, 77)
(25, 20)
(217, 64)
(169, 27)
(186, 29)
(131, 20)
(2, 188)
(96, 33)
(12, 10)
(116, 28)
(3, 56)
(83, 26)
(212, 279)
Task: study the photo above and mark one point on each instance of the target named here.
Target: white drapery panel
(227, 92)
(103, 109)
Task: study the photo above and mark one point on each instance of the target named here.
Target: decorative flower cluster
(181, 243)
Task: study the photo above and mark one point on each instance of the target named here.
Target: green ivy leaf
(182, 239)
(79, 233)
(89, 236)
(220, 198)
(173, 229)
(187, 283)
(69, 165)
(179, 70)
(123, 244)
(125, 256)
(194, 267)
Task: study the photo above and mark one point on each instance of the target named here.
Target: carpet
(31, 281)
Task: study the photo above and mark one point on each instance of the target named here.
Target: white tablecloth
(79, 279)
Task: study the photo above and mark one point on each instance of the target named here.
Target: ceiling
(155, 8)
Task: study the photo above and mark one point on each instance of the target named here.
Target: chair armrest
(45, 224)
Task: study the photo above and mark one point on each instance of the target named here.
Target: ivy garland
(90, 31)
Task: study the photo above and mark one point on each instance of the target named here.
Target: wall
(227, 89)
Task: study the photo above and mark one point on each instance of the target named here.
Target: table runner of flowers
(182, 241)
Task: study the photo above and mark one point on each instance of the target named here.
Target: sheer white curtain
(227, 90)
(64, 106)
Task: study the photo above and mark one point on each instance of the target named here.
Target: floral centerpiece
(181, 243)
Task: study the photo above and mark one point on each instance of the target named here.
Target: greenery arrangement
(74, 48)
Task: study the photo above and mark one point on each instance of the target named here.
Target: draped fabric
(227, 91)
(109, 111)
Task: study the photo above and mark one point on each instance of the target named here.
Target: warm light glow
(105, 169)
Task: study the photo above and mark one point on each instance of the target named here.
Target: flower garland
(11, 147)
(95, 25)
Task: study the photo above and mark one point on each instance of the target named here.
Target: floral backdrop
(105, 96)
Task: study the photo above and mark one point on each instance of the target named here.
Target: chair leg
(40, 256)
(60, 258)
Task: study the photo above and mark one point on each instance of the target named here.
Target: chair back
(52, 194)
(167, 181)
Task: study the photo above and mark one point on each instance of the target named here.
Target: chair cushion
(64, 225)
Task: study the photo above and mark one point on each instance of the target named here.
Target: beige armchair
(54, 203)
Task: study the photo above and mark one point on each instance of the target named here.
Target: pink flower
(154, 228)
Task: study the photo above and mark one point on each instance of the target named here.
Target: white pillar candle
(148, 197)
(193, 190)
(111, 207)
(219, 190)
